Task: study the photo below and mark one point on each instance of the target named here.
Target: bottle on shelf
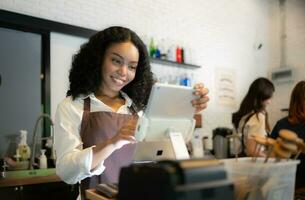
(185, 80)
(157, 52)
(152, 48)
(178, 54)
(171, 53)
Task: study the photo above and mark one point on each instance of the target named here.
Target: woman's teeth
(119, 81)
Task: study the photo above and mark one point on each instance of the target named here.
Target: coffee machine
(176, 180)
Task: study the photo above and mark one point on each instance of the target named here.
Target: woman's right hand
(125, 135)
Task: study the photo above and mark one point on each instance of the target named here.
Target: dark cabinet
(46, 191)
(11, 193)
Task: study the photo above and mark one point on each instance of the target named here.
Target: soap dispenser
(23, 151)
(43, 160)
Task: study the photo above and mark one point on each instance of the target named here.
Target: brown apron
(97, 127)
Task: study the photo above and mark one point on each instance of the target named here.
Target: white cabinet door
(63, 47)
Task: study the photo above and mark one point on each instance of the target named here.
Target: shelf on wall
(173, 63)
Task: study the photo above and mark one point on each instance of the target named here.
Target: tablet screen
(170, 101)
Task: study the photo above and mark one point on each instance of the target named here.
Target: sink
(30, 173)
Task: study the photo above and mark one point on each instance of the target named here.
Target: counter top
(6, 182)
(92, 194)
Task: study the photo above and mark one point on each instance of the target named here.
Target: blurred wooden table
(92, 194)
(29, 180)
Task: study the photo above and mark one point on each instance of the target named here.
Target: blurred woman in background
(295, 121)
(252, 117)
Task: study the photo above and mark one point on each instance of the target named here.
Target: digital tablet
(169, 108)
(170, 101)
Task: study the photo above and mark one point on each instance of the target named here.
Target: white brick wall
(221, 34)
(295, 52)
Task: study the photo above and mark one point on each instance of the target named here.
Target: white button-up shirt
(255, 125)
(73, 163)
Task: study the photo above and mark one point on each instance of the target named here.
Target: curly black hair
(85, 74)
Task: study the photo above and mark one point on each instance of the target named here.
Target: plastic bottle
(157, 52)
(197, 147)
(24, 150)
(178, 54)
(152, 48)
(185, 81)
(43, 160)
(171, 53)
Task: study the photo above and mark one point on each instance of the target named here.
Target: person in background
(295, 121)
(110, 82)
(252, 116)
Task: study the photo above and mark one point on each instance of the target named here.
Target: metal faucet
(3, 173)
(34, 141)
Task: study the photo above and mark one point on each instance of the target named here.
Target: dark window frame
(44, 27)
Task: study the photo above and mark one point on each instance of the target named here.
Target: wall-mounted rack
(173, 63)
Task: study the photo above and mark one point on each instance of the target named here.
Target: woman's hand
(126, 134)
(201, 102)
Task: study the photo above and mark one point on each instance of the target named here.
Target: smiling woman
(119, 68)
(112, 46)
(110, 82)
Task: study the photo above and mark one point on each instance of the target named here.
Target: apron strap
(85, 118)
(133, 109)
(87, 104)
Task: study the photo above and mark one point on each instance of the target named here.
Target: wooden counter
(28, 181)
(93, 195)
